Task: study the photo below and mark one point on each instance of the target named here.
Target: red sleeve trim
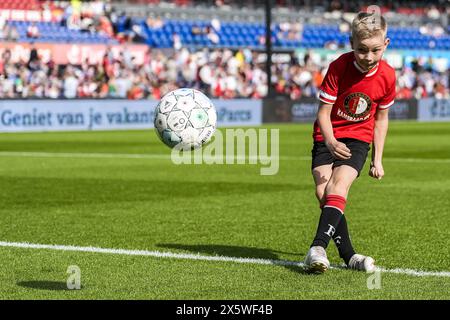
(327, 98)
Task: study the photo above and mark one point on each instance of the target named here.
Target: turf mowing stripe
(83, 155)
(167, 156)
(122, 156)
(187, 256)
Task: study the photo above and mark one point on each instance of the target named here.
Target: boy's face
(368, 52)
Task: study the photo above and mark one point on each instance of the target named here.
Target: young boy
(355, 96)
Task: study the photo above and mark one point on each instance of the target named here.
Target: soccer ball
(185, 119)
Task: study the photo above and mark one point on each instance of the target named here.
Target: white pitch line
(417, 273)
(187, 256)
(167, 156)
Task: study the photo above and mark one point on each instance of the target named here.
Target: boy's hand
(376, 170)
(339, 150)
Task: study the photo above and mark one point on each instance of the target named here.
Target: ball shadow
(44, 285)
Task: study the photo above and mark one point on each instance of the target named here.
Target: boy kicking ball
(355, 96)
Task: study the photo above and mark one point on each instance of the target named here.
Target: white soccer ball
(185, 119)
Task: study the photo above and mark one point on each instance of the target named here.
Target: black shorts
(359, 150)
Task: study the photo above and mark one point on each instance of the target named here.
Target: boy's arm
(338, 149)
(379, 137)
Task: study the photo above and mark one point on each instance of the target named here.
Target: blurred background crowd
(232, 72)
(220, 73)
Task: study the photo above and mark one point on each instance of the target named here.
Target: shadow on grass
(242, 252)
(44, 285)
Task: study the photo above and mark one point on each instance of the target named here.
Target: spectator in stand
(70, 85)
(2, 28)
(212, 35)
(87, 23)
(290, 31)
(105, 27)
(73, 22)
(53, 85)
(137, 34)
(177, 43)
(197, 30)
(34, 56)
(123, 84)
(33, 31)
(216, 25)
(403, 93)
(154, 23)
(11, 33)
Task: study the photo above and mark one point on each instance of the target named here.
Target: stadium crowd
(219, 73)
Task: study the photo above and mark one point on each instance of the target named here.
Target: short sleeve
(388, 99)
(328, 91)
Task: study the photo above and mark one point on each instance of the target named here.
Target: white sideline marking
(167, 156)
(187, 256)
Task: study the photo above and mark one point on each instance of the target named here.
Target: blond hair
(368, 24)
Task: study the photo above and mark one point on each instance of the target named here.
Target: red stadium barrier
(30, 15)
(71, 53)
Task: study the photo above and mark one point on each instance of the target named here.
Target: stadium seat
(231, 33)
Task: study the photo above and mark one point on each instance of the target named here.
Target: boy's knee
(319, 194)
(338, 186)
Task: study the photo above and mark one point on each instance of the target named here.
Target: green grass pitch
(403, 221)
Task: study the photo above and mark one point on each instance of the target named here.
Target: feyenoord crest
(357, 105)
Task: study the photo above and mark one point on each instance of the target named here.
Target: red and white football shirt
(355, 95)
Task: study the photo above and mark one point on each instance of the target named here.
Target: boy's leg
(322, 175)
(341, 181)
(343, 242)
(341, 237)
(332, 212)
(316, 260)
(335, 200)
